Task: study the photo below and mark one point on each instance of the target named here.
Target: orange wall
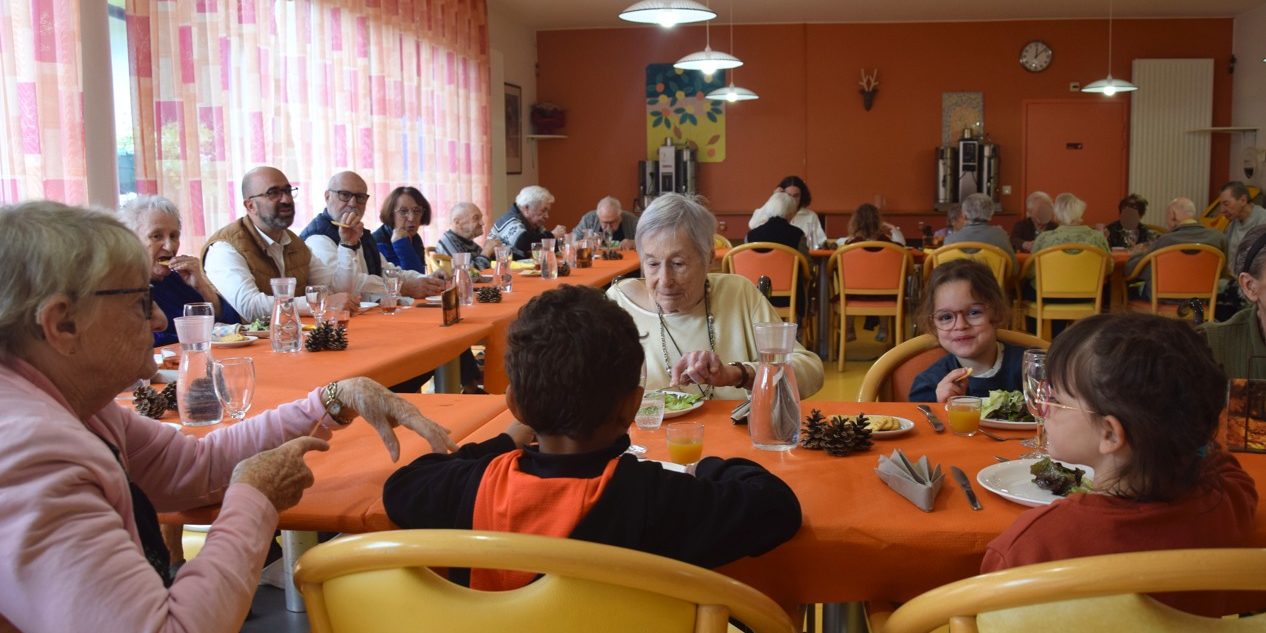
(810, 121)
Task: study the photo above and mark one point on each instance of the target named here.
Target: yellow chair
(1072, 273)
(890, 377)
(438, 261)
(1178, 273)
(786, 267)
(998, 261)
(720, 241)
(870, 279)
(1156, 229)
(1096, 594)
(381, 583)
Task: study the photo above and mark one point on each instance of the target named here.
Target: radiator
(1167, 158)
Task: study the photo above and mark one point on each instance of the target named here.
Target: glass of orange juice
(964, 415)
(685, 442)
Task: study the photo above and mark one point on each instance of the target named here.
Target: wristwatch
(354, 247)
(743, 382)
(339, 412)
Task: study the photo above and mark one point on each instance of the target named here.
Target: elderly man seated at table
(83, 478)
(697, 327)
(467, 224)
(611, 219)
(156, 221)
(1039, 216)
(1242, 213)
(1239, 342)
(339, 228)
(524, 223)
(1184, 228)
(978, 210)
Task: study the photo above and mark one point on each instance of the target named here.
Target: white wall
(512, 55)
(1248, 104)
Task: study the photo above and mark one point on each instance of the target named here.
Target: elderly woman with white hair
(696, 327)
(82, 479)
(156, 221)
(1069, 210)
(772, 223)
(525, 221)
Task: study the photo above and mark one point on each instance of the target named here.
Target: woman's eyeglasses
(945, 319)
(147, 299)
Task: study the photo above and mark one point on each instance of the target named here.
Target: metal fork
(997, 438)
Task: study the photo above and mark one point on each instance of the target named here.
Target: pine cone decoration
(168, 394)
(319, 338)
(838, 436)
(148, 402)
(338, 342)
(201, 403)
(563, 269)
(491, 294)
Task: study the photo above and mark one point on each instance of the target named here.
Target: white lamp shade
(708, 61)
(667, 13)
(732, 93)
(1109, 86)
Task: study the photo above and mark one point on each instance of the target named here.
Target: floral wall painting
(514, 129)
(677, 109)
(961, 111)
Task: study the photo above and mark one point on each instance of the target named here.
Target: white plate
(1013, 482)
(365, 305)
(250, 340)
(906, 425)
(680, 412)
(1005, 425)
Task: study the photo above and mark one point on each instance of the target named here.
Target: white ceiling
(582, 14)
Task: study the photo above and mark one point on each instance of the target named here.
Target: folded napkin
(221, 330)
(914, 481)
(522, 264)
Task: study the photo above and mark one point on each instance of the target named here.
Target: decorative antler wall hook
(869, 88)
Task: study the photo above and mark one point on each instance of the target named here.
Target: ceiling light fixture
(732, 93)
(708, 61)
(667, 13)
(1109, 85)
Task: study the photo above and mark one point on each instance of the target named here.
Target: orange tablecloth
(860, 540)
(349, 477)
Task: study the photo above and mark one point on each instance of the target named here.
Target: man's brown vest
(243, 236)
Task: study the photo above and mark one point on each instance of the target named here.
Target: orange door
(1079, 146)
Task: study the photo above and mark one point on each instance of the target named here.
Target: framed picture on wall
(514, 129)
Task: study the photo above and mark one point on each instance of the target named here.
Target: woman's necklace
(665, 335)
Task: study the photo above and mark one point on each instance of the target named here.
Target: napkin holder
(916, 481)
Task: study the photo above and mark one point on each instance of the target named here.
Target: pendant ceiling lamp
(732, 93)
(708, 61)
(1110, 85)
(667, 13)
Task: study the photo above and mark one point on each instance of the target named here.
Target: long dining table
(859, 539)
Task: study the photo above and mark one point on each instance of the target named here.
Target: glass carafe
(549, 259)
(502, 275)
(196, 400)
(461, 275)
(774, 421)
(285, 330)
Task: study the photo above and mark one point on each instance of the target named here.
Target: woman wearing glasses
(403, 214)
(82, 479)
(965, 306)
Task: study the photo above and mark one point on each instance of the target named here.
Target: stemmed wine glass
(316, 296)
(234, 380)
(1035, 387)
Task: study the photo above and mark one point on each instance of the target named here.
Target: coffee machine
(968, 166)
(675, 171)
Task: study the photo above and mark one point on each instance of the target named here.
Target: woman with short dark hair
(403, 214)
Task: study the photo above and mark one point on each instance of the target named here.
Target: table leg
(448, 377)
(843, 617)
(293, 544)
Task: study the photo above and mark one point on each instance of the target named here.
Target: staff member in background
(608, 217)
(82, 479)
(1129, 229)
(804, 219)
(525, 221)
(467, 222)
(1039, 213)
(156, 221)
(403, 214)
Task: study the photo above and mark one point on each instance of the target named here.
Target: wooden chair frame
(934, 258)
(1185, 250)
(1039, 308)
(875, 385)
(837, 274)
(801, 273)
(1128, 574)
(395, 570)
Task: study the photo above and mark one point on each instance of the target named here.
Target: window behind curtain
(394, 90)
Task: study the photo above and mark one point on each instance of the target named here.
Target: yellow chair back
(1070, 271)
(438, 261)
(995, 258)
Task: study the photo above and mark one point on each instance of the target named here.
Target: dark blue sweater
(1010, 376)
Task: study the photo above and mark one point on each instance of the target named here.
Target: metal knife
(961, 478)
(936, 424)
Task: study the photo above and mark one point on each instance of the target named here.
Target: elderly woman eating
(81, 478)
(156, 221)
(697, 327)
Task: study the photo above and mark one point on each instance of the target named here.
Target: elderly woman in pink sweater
(81, 479)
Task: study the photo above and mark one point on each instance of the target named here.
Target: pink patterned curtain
(41, 102)
(396, 90)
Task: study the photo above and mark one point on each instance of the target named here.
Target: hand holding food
(953, 384)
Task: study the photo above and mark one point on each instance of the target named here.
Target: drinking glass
(964, 415)
(200, 308)
(536, 254)
(1035, 383)
(316, 296)
(390, 301)
(234, 380)
(685, 442)
(638, 449)
(651, 413)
